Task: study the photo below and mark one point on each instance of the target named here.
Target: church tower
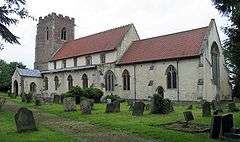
(52, 31)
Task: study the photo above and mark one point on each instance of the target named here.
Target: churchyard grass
(8, 132)
(139, 125)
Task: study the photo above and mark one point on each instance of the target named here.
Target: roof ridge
(172, 34)
(101, 32)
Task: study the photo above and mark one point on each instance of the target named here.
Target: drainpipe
(135, 88)
(177, 81)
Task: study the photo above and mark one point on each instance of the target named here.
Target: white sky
(150, 17)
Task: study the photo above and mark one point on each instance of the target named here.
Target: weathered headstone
(113, 107)
(69, 104)
(227, 123)
(85, 107)
(188, 116)
(216, 125)
(206, 109)
(24, 120)
(2, 102)
(138, 108)
(56, 99)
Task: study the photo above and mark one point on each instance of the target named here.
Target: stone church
(187, 65)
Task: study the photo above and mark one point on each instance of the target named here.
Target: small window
(102, 58)
(63, 34)
(75, 62)
(56, 80)
(45, 83)
(88, 60)
(47, 33)
(55, 64)
(151, 67)
(64, 64)
(150, 83)
(85, 81)
(126, 80)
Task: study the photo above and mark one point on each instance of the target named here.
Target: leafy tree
(231, 9)
(10, 13)
(6, 72)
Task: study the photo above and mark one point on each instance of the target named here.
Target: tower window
(47, 33)
(63, 34)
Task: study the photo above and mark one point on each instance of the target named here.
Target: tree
(231, 9)
(10, 13)
(6, 72)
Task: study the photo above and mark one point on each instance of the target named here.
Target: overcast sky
(150, 17)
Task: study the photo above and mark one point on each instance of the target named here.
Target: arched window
(63, 34)
(47, 33)
(46, 83)
(109, 81)
(56, 81)
(215, 63)
(126, 80)
(33, 87)
(171, 77)
(70, 82)
(84, 81)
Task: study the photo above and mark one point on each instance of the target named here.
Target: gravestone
(61, 98)
(216, 127)
(113, 107)
(206, 109)
(188, 116)
(69, 104)
(227, 123)
(85, 107)
(24, 120)
(56, 99)
(138, 108)
(2, 102)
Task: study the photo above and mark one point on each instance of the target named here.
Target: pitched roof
(103, 41)
(177, 45)
(29, 72)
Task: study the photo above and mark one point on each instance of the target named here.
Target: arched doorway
(33, 87)
(15, 87)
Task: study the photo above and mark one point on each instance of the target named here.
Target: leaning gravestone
(206, 109)
(85, 107)
(69, 104)
(113, 107)
(56, 99)
(138, 108)
(2, 102)
(24, 120)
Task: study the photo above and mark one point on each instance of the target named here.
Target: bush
(161, 105)
(90, 93)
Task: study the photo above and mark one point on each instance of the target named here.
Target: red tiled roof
(103, 41)
(177, 45)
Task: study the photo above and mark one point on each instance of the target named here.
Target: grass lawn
(141, 126)
(8, 132)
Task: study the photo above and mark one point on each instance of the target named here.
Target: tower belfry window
(63, 34)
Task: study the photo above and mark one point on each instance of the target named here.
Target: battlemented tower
(52, 31)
